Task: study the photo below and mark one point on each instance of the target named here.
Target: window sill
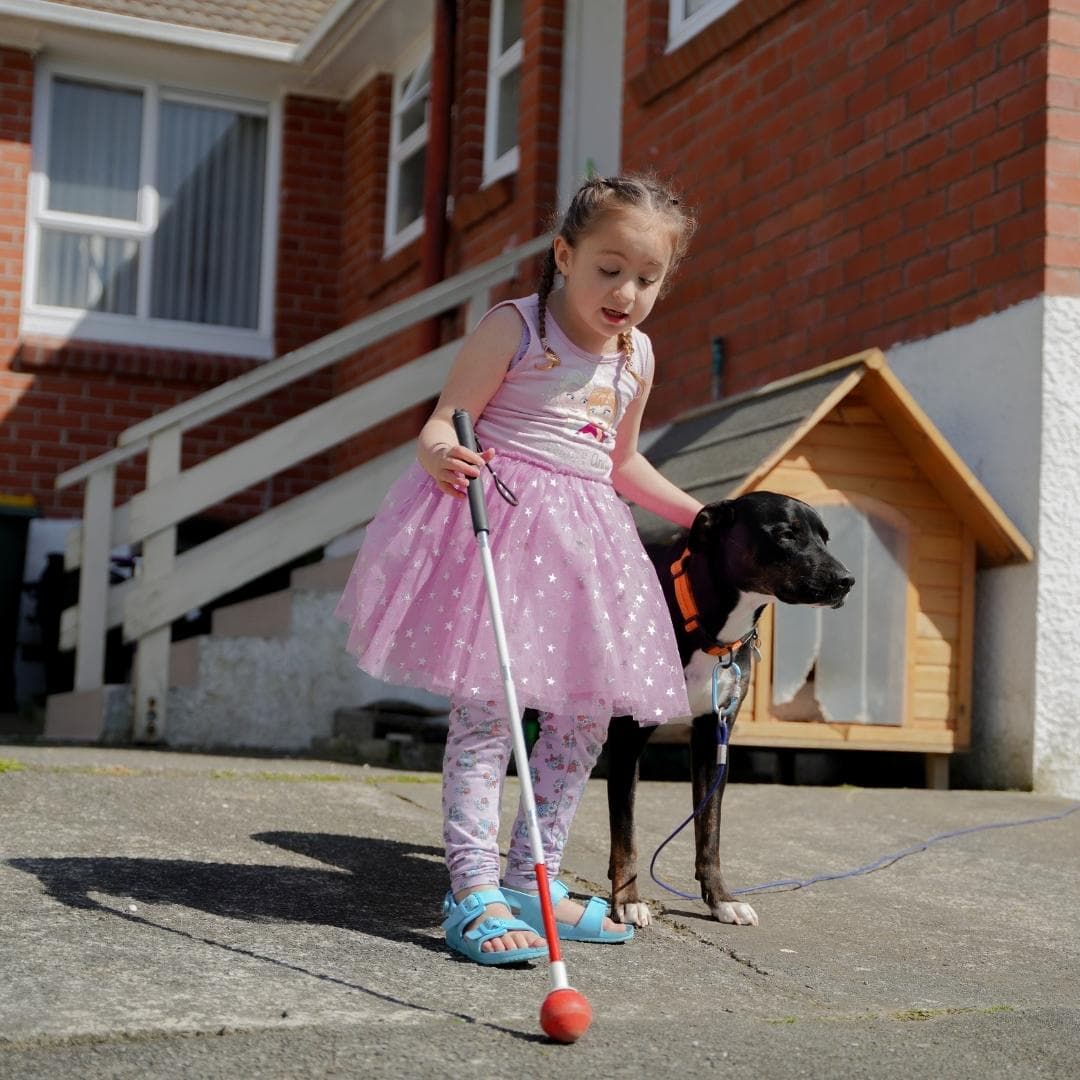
(37, 353)
(668, 70)
(125, 332)
(474, 207)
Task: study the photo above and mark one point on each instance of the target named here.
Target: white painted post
(150, 668)
(476, 308)
(94, 579)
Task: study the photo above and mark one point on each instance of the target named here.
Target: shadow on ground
(371, 890)
(377, 887)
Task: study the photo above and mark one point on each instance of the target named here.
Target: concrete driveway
(171, 915)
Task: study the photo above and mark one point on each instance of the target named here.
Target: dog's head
(771, 544)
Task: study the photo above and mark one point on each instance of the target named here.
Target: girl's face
(613, 276)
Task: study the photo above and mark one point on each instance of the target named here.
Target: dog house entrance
(848, 665)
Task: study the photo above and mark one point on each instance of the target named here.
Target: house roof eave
(42, 12)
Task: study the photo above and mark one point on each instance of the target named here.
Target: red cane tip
(565, 1015)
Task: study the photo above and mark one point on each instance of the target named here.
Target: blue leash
(888, 860)
(722, 733)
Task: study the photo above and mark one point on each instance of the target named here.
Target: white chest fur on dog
(699, 671)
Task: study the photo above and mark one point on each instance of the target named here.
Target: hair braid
(626, 347)
(547, 280)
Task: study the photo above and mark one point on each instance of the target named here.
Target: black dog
(740, 555)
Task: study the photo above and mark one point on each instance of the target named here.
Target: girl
(587, 625)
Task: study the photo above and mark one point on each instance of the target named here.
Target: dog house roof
(721, 450)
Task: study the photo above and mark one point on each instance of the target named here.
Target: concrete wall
(1057, 658)
(277, 692)
(998, 389)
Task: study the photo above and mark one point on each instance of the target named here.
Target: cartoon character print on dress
(601, 408)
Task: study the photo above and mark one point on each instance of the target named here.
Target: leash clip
(729, 709)
(732, 702)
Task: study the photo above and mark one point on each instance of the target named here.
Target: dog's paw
(635, 914)
(734, 912)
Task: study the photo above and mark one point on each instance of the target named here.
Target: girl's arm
(476, 374)
(636, 479)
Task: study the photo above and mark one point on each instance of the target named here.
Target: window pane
(511, 24)
(691, 7)
(412, 118)
(872, 625)
(95, 138)
(848, 665)
(208, 245)
(506, 131)
(87, 272)
(410, 203)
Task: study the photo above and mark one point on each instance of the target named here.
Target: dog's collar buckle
(691, 616)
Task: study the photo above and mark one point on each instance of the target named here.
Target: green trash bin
(15, 514)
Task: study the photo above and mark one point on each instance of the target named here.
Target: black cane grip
(477, 507)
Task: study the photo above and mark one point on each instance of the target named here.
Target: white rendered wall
(1057, 666)
(983, 386)
(1004, 392)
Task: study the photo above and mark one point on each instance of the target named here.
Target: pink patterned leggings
(478, 749)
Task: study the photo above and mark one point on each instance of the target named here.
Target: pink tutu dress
(586, 622)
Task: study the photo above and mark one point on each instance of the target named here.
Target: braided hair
(597, 196)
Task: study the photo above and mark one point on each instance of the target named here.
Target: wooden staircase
(221, 690)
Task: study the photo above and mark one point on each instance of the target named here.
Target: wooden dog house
(892, 669)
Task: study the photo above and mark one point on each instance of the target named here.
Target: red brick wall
(1063, 150)
(864, 174)
(62, 403)
(16, 100)
(16, 106)
(368, 280)
(308, 295)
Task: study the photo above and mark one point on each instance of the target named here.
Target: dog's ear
(711, 519)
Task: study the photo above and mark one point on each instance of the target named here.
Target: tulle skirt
(587, 627)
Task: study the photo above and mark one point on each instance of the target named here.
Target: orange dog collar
(691, 616)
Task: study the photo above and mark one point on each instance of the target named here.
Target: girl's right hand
(452, 467)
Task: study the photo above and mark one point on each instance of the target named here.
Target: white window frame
(140, 329)
(401, 150)
(682, 27)
(499, 65)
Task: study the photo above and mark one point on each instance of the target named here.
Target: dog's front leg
(626, 740)
(724, 907)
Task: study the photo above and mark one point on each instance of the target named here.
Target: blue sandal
(459, 913)
(590, 927)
